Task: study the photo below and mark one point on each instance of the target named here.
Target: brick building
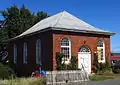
(63, 33)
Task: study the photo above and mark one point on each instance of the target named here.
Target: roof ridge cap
(58, 20)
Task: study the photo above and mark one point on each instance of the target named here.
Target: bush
(59, 57)
(116, 70)
(62, 66)
(73, 64)
(107, 64)
(95, 64)
(101, 68)
(6, 72)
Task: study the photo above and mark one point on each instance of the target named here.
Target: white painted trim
(68, 60)
(102, 61)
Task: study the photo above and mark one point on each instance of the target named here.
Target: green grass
(23, 81)
(104, 77)
(100, 77)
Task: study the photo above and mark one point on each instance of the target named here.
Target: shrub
(62, 66)
(101, 68)
(116, 70)
(107, 64)
(73, 64)
(6, 72)
(95, 64)
(59, 57)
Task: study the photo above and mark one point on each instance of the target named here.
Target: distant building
(115, 59)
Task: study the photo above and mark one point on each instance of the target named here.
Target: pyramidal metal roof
(64, 21)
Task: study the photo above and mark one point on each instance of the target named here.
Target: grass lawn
(23, 81)
(104, 77)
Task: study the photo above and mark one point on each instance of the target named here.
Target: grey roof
(66, 22)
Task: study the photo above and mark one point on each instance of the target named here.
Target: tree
(17, 20)
(40, 16)
(112, 54)
(1, 24)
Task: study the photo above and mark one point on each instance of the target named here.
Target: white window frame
(25, 53)
(98, 52)
(84, 49)
(66, 60)
(14, 54)
(38, 51)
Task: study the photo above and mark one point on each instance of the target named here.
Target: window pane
(25, 53)
(100, 43)
(84, 49)
(101, 49)
(64, 42)
(65, 48)
(38, 51)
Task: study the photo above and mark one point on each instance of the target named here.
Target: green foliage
(62, 66)
(40, 81)
(40, 16)
(59, 57)
(95, 64)
(112, 54)
(107, 65)
(100, 68)
(17, 20)
(6, 72)
(116, 70)
(100, 77)
(73, 64)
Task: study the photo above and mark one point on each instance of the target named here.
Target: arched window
(66, 48)
(100, 43)
(25, 55)
(84, 49)
(101, 51)
(15, 53)
(38, 51)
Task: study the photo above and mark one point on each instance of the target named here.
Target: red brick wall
(77, 40)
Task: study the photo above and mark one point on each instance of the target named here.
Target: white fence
(57, 77)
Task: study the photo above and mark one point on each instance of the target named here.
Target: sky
(103, 14)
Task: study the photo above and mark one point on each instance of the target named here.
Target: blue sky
(104, 14)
